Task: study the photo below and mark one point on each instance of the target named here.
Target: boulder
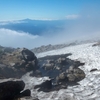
(10, 90)
(77, 64)
(71, 77)
(61, 77)
(75, 74)
(92, 70)
(45, 86)
(70, 70)
(28, 55)
(25, 93)
(17, 63)
(96, 44)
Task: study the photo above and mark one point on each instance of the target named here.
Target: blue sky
(44, 9)
(82, 21)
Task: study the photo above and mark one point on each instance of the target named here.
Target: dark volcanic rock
(45, 86)
(63, 72)
(92, 70)
(17, 63)
(54, 65)
(96, 44)
(77, 64)
(79, 74)
(25, 93)
(11, 90)
(71, 75)
(28, 55)
(62, 78)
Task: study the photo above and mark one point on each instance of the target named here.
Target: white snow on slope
(88, 88)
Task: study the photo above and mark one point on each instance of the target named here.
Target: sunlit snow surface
(88, 88)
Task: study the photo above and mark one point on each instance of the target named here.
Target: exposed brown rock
(17, 63)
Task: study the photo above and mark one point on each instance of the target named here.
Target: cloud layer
(77, 31)
(86, 25)
(72, 16)
(11, 38)
(16, 39)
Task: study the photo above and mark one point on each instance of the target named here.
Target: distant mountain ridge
(34, 27)
(45, 48)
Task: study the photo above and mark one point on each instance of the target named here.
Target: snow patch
(88, 88)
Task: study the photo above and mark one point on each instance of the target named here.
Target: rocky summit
(17, 63)
(60, 70)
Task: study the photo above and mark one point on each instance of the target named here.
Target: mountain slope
(88, 88)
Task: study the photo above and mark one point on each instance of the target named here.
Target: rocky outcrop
(71, 75)
(62, 72)
(11, 90)
(59, 68)
(17, 63)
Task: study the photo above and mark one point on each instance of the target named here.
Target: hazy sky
(44, 9)
(82, 20)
